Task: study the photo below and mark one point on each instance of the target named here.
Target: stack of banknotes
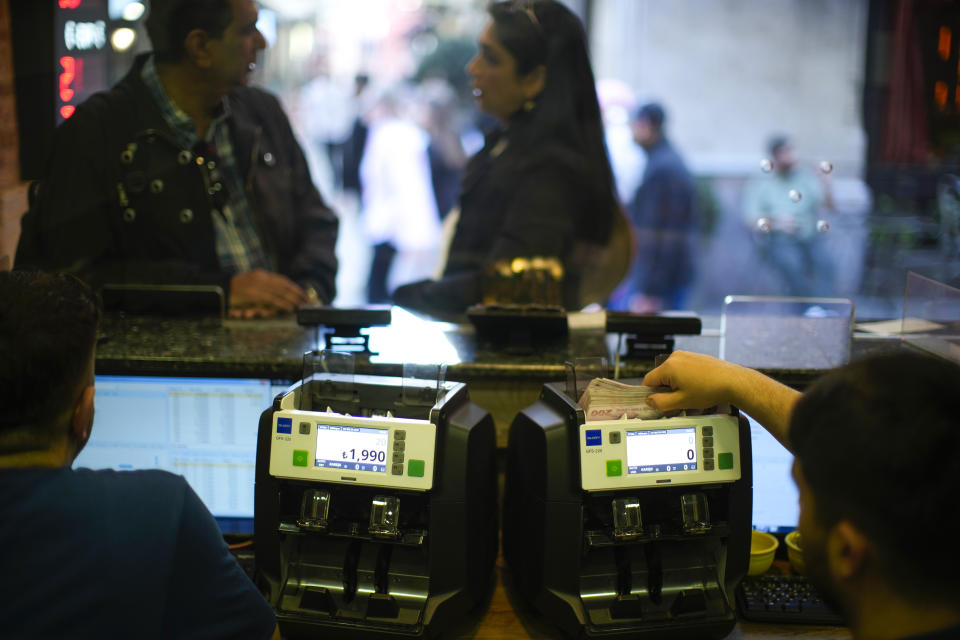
(606, 399)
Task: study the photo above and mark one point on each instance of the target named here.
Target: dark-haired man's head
(48, 329)
(782, 153)
(876, 446)
(647, 125)
(170, 21)
(218, 38)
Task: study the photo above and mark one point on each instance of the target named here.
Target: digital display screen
(662, 450)
(351, 448)
(198, 428)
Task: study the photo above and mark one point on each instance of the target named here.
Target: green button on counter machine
(628, 528)
(614, 468)
(375, 506)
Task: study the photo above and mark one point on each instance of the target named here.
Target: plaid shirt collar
(175, 117)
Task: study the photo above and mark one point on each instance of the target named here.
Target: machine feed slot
(384, 515)
(314, 510)
(627, 519)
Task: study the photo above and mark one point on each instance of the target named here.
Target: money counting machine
(375, 506)
(628, 528)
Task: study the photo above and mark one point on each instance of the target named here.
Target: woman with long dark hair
(542, 184)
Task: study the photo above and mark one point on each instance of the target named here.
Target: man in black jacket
(181, 174)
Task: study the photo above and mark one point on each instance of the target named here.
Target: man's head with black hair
(782, 153)
(48, 329)
(647, 124)
(170, 21)
(212, 45)
(653, 113)
(877, 465)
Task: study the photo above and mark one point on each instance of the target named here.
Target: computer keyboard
(783, 599)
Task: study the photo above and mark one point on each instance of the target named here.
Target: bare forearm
(767, 401)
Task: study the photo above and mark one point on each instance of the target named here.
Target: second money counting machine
(375, 506)
(628, 528)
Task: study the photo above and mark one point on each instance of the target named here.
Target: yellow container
(763, 546)
(795, 551)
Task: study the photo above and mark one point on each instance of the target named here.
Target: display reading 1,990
(662, 450)
(353, 448)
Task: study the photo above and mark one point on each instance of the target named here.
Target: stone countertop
(274, 348)
(200, 346)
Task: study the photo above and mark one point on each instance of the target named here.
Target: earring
(529, 105)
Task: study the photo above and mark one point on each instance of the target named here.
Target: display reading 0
(352, 448)
(662, 450)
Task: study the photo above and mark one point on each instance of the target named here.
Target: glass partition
(931, 316)
(820, 137)
(769, 332)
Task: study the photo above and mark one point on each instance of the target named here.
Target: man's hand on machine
(698, 382)
(262, 294)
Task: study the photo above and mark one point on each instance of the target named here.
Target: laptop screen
(775, 506)
(204, 429)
